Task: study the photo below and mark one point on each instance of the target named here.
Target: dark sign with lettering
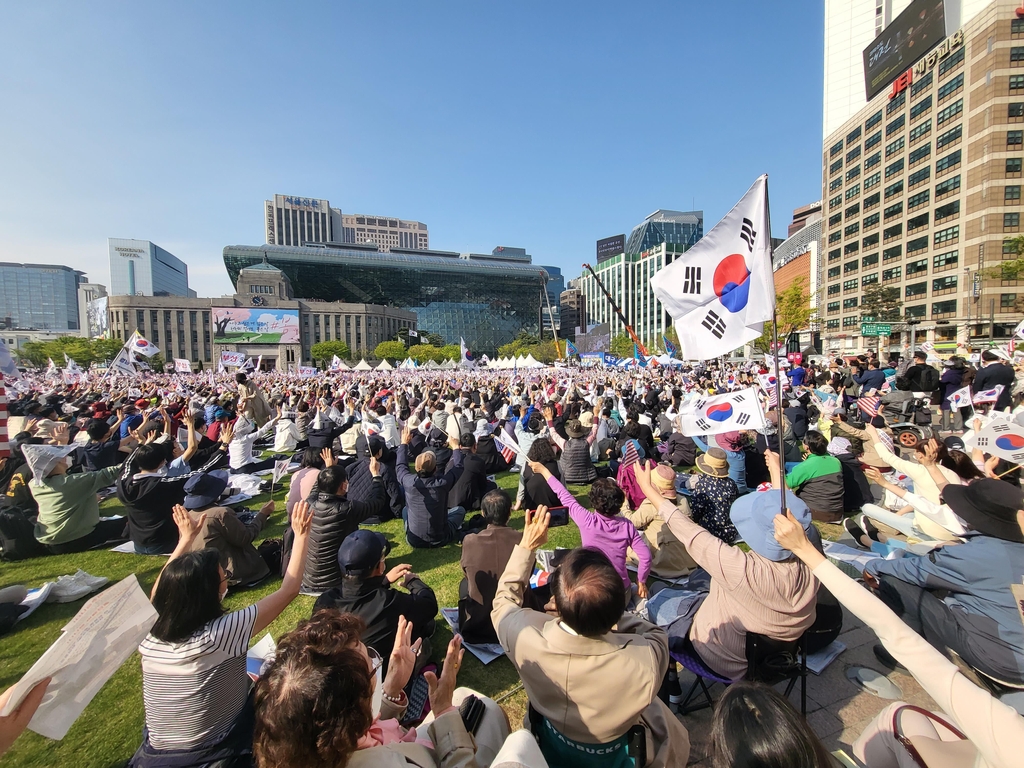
(910, 36)
(610, 246)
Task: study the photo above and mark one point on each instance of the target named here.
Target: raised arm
(270, 607)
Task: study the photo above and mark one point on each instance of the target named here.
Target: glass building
(485, 299)
(683, 228)
(39, 296)
(142, 268)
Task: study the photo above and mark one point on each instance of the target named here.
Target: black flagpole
(775, 357)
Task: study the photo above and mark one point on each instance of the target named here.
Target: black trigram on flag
(981, 442)
(703, 424)
(743, 418)
(748, 234)
(691, 280)
(739, 397)
(699, 405)
(1000, 427)
(715, 324)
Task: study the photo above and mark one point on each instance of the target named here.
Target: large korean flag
(722, 291)
(722, 413)
(1000, 438)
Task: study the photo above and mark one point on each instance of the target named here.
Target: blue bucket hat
(753, 514)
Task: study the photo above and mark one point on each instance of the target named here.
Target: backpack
(17, 535)
(929, 379)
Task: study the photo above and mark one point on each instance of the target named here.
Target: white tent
(532, 362)
(362, 365)
(408, 365)
(431, 365)
(385, 366)
(449, 365)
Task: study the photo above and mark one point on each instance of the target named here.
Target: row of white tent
(515, 362)
(406, 365)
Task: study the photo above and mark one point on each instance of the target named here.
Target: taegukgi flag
(141, 346)
(960, 399)
(722, 413)
(722, 291)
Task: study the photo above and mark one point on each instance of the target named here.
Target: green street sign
(875, 329)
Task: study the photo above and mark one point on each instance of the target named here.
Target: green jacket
(68, 509)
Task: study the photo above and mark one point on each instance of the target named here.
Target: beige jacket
(749, 593)
(870, 456)
(995, 730)
(591, 689)
(924, 486)
(453, 746)
(669, 558)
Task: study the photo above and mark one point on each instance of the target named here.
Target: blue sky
(544, 125)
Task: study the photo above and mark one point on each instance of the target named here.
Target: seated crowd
(684, 558)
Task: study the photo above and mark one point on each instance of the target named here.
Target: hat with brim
(714, 463)
(361, 551)
(574, 429)
(41, 459)
(955, 443)
(664, 480)
(753, 514)
(587, 419)
(203, 490)
(989, 506)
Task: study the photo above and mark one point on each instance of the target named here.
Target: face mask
(378, 694)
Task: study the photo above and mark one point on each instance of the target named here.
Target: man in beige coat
(592, 673)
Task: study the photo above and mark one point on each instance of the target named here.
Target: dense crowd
(660, 580)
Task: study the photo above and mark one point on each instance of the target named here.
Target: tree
(106, 349)
(324, 351)
(389, 350)
(423, 353)
(449, 352)
(792, 312)
(880, 302)
(1011, 269)
(621, 345)
(433, 339)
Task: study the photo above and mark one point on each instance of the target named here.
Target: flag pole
(775, 358)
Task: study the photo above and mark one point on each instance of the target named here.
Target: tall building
(290, 220)
(573, 307)
(142, 268)
(923, 189)
(804, 215)
(487, 299)
(850, 28)
(555, 286)
(40, 296)
(683, 228)
(262, 318)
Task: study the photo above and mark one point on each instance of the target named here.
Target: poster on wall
(96, 318)
(241, 325)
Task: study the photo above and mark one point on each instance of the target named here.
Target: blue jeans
(153, 549)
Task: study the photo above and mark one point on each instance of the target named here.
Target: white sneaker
(67, 589)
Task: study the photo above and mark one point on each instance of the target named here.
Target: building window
(851, 248)
(895, 103)
(834, 254)
(1011, 192)
(835, 167)
(853, 173)
(949, 161)
(919, 244)
(920, 130)
(947, 210)
(870, 221)
(952, 136)
(1016, 83)
(872, 180)
(851, 266)
(944, 307)
(947, 187)
(919, 154)
(952, 61)
(872, 141)
(919, 177)
(1013, 166)
(853, 191)
(947, 283)
(948, 235)
(917, 222)
(894, 148)
(852, 229)
(916, 267)
(1011, 222)
(921, 107)
(835, 150)
(894, 189)
(833, 289)
(853, 154)
(850, 303)
(1007, 301)
(832, 306)
(892, 253)
(894, 169)
(871, 241)
(893, 210)
(890, 233)
(836, 219)
(948, 89)
(852, 136)
(835, 184)
(872, 121)
(851, 321)
(872, 200)
(850, 285)
(951, 112)
(872, 161)
(852, 211)
(895, 125)
(833, 272)
(835, 237)
(921, 198)
(835, 202)
(891, 274)
(916, 289)
(918, 311)
(1014, 138)
(869, 279)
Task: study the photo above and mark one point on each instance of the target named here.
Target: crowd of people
(690, 546)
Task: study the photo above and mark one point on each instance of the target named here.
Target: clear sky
(544, 125)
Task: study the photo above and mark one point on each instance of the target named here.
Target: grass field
(110, 729)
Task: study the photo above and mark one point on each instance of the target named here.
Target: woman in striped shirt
(195, 688)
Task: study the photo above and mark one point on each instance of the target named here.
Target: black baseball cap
(361, 550)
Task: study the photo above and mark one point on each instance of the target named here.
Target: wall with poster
(597, 339)
(908, 37)
(258, 325)
(96, 318)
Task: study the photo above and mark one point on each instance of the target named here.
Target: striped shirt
(194, 690)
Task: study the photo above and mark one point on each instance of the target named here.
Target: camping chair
(627, 751)
(768, 661)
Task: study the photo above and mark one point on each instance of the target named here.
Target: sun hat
(204, 489)
(714, 463)
(664, 480)
(587, 419)
(753, 514)
(574, 429)
(989, 506)
(730, 441)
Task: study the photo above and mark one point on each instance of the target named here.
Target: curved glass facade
(483, 299)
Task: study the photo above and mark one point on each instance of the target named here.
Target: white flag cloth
(1018, 332)
(41, 459)
(123, 363)
(960, 399)
(988, 395)
(280, 469)
(722, 291)
(413, 334)
(7, 365)
(335, 363)
(140, 346)
(1004, 439)
(182, 366)
(722, 413)
(464, 354)
(70, 365)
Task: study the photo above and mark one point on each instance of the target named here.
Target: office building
(142, 268)
(262, 318)
(41, 297)
(804, 215)
(556, 284)
(850, 28)
(682, 228)
(923, 189)
(487, 299)
(299, 221)
(573, 307)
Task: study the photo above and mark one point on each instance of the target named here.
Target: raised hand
(403, 659)
(535, 530)
(440, 690)
(188, 527)
(328, 456)
(302, 519)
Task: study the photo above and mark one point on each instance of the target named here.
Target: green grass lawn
(110, 729)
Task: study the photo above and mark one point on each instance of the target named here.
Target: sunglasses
(376, 662)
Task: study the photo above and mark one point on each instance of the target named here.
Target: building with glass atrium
(485, 299)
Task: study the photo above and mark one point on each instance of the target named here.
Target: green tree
(449, 352)
(792, 311)
(433, 339)
(880, 302)
(621, 345)
(423, 353)
(324, 351)
(1011, 269)
(106, 349)
(390, 350)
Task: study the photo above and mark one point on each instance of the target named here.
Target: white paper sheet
(486, 652)
(265, 650)
(35, 598)
(98, 640)
(817, 662)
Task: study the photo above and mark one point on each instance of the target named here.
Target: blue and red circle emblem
(720, 412)
(1010, 442)
(732, 282)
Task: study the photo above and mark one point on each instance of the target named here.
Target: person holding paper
(194, 685)
(12, 725)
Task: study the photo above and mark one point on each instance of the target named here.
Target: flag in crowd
(336, 364)
(1001, 438)
(570, 349)
(465, 355)
(280, 470)
(640, 359)
(8, 368)
(869, 403)
(182, 366)
(505, 447)
(413, 334)
(232, 359)
(722, 291)
(960, 399)
(123, 363)
(670, 349)
(141, 346)
(988, 395)
(722, 413)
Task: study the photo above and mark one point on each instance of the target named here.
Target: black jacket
(472, 484)
(360, 485)
(991, 375)
(328, 432)
(537, 489)
(375, 602)
(427, 500)
(149, 502)
(575, 462)
(487, 450)
(681, 450)
(334, 518)
(856, 489)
